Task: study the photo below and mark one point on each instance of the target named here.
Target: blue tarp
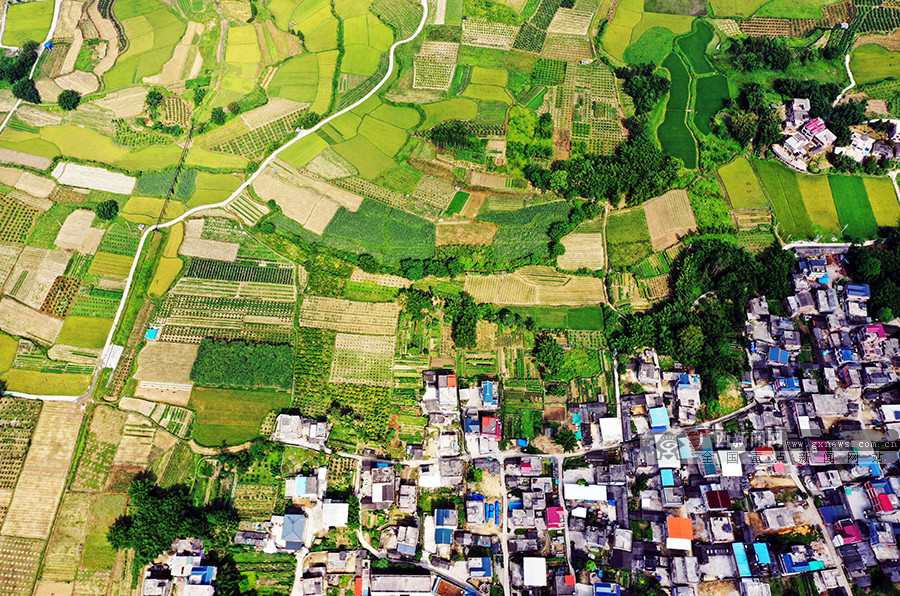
(740, 555)
(152, 333)
(762, 553)
(668, 478)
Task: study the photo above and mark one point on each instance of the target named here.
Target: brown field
(77, 234)
(343, 197)
(209, 249)
(44, 474)
(19, 561)
(18, 319)
(669, 217)
(584, 247)
(388, 281)
(69, 15)
(34, 273)
(276, 108)
(889, 41)
(107, 31)
(164, 372)
(451, 233)
(35, 185)
(126, 103)
(47, 588)
(485, 34)
(83, 82)
(68, 63)
(346, 316)
(171, 70)
(307, 206)
(30, 200)
(488, 180)
(534, 286)
(9, 254)
(26, 159)
(329, 165)
(137, 441)
(37, 117)
(69, 532)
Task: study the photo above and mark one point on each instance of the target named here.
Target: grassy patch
(781, 185)
(652, 47)
(816, 193)
(587, 318)
(84, 332)
(871, 63)
(627, 238)
(231, 416)
(41, 383)
(853, 208)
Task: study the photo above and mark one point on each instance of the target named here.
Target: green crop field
(403, 117)
(781, 185)
(27, 21)
(653, 47)
(871, 63)
(84, 332)
(694, 47)
(853, 208)
(458, 202)
(41, 383)
(524, 232)
(458, 108)
(816, 193)
(677, 24)
(365, 156)
(674, 134)
(735, 8)
(617, 36)
(712, 93)
(152, 31)
(794, 9)
(83, 143)
(387, 137)
(360, 59)
(303, 151)
(297, 78)
(883, 200)
(742, 185)
(488, 93)
(586, 318)
(232, 416)
(627, 238)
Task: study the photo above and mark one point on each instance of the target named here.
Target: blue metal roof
(203, 575)
(668, 478)
(740, 555)
(151, 333)
(443, 536)
(858, 290)
(659, 418)
(440, 516)
(762, 553)
(603, 589)
(778, 355)
(487, 392)
(833, 513)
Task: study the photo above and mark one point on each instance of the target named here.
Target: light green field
(297, 78)
(490, 76)
(41, 383)
(742, 185)
(884, 201)
(150, 158)
(83, 143)
(816, 193)
(27, 142)
(346, 125)
(323, 38)
(488, 93)
(27, 21)
(735, 8)
(781, 185)
(365, 155)
(213, 188)
(360, 59)
(677, 24)
(368, 29)
(346, 9)
(307, 10)
(8, 347)
(282, 11)
(871, 63)
(653, 47)
(327, 67)
(242, 45)
(403, 117)
(232, 416)
(97, 553)
(387, 137)
(134, 8)
(794, 9)
(620, 30)
(106, 263)
(303, 151)
(152, 36)
(84, 332)
(457, 108)
(146, 210)
(207, 159)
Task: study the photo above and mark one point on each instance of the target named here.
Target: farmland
(853, 208)
(628, 238)
(790, 212)
(232, 416)
(674, 135)
(742, 185)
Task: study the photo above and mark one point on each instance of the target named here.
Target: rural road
(299, 136)
(852, 80)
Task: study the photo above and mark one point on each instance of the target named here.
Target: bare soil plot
(175, 419)
(669, 217)
(34, 274)
(9, 254)
(209, 249)
(48, 588)
(68, 64)
(80, 81)
(164, 372)
(37, 117)
(69, 15)
(18, 319)
(276, 108)
(368, 318)
(345, 198)
(307, 206)
(584, 248)
(94, 178)
(455, 233)
(19, 560)
(35, 185)
(30, 200)
(45, 471)
(363, 359)
(24, 159)
(489, 180)
(388, 281)
(171, 70)
(126, 103)
(485, 34)
(77, 234)
(531, 286)
(137, 441)
(330, 165)
(107, 32)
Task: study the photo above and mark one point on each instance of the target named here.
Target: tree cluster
(759, 53)
(753, 121)
(16, 70)
(238, 363)
(643, 85)
(548, 353)
(821, 97)
(455, 133)
(637, 168)
(879, 266)
(157, 517)
(418, 268)
(870, 166)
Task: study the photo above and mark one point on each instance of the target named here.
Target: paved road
(299, 136)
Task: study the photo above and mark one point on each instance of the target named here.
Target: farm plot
(100, 447)
(816, 193)
(712, 95)
(484, 34)
(16, 220)
(584, 248)
(344, 316)
(19, 562)
(44, 474)
(470, 233)
(34, 274)
(247, 209)
(669, 217)
(694, 47)
(253, 144)
(435, 191)
(883, 201)
(674, 135)
(627, 238)
(617, 35)
(535, 285)
(77, 234)
(60, 297)
(742, 185)
(872, 63)
(137, 439)
(304, 205)
(232, 416)
(188, 319)
(18, 418)
(256, 501)
(384, 280)
(18, 319)
(363, 359)
(781, 185)
(94, 178)
(853, 208)
(164, 372)
(69, 532)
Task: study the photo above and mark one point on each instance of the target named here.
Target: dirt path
(108, 33)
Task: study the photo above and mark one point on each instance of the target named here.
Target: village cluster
(792, 487)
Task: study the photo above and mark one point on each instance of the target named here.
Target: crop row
(238, 271)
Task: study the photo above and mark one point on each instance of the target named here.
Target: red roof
(554, 517)
(570, 580)
(718, 499)
(779, 468)
(876, 329)
(451, 380)
(885, 502)
(849, 531)
(680, 527)
(357, 587)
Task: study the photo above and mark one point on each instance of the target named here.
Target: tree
(691, 342)
(107, 210)
(25, 90)
(199, 94)
(566, 439)
(559, 181)
(234, 107)
(548, 352)
(217, 116)
(69, 99)
(742, 127)
(155, 97)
